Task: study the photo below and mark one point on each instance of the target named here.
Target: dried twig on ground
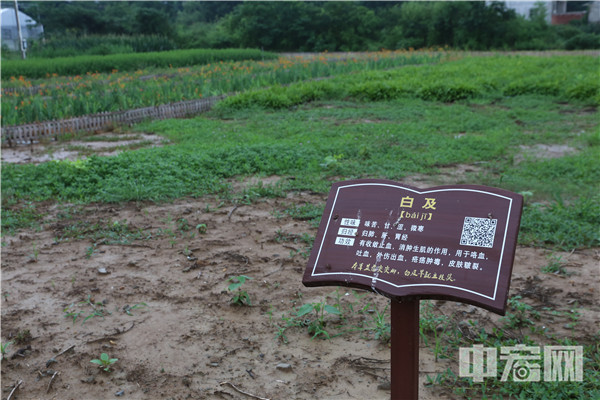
(15, 388)
(112, 337)
(232, 211)
(52, 380)
(65, 350)
(242, 392)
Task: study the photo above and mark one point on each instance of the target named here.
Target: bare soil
(164, 311)
(100, 144)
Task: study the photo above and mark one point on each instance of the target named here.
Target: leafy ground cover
(219, 224)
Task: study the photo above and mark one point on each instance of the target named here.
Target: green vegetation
(70, 28)
(240, 297)
(496, 117)
(95, 309)
(326, 321)
(105, 361)
(522, 325)
(467, 78)
(316, 326)
(97, 44)
(81, 65)
(327, 136)
(59, 97)
(19, 216)
(74, 311)
(555, 266)
(306, 212)
(4, 348)
(129, 309)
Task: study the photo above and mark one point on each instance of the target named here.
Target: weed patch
(562, 226)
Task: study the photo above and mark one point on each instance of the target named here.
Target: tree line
(301, 26)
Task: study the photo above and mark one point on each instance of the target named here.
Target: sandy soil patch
(104, 144)
(188, 341)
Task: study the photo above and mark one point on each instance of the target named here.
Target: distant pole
(19, 29)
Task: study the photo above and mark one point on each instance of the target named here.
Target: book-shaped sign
(446, 242)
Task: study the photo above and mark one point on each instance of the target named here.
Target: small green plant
(280, 335)
(431, 323)
(240, 297)
(574, 316)
(128, 309)
(555, 266)
(70, 313)
(316, 327)
(105, 361)
(382, 329)
(201, 228)
(306, 212)
(521, 313)
(90, 250)
(331, 161)
(33, 257)
(304, 239)
(183, 224)
(23, 336)
(4, 348)
(98, 310)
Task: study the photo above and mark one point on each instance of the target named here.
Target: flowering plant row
(58, 97)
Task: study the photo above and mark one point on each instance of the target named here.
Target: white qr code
(478, 232)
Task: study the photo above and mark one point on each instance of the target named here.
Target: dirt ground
(104, 144)
(163, 308)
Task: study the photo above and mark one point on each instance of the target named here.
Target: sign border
(514, 200)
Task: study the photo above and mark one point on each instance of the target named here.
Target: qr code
(478, 232)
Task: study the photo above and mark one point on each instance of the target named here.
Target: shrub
(583, 41)
(533, 86)
(377, 90)
(447, 93)
(584, 91)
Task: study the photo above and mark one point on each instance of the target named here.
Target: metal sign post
(447, 242)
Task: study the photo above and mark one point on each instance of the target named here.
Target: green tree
(346, 27)
(152, 22)
(304, 26)
(279, 26)
(414, 25)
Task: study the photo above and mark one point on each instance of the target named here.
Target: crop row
(447, 82)
(72, 96)
(41, 68)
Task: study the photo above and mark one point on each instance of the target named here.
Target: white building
(524, 7)
(559, 12)
(30, 29)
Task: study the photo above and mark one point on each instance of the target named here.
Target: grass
(323, 141)
(523, 324)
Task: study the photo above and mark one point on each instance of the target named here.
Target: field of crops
(28, 98)
(232, 191)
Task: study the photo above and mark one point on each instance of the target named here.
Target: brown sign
(446, 242)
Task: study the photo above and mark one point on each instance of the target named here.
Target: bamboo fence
(50, 130)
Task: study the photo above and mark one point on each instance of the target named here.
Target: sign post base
(405, 349)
